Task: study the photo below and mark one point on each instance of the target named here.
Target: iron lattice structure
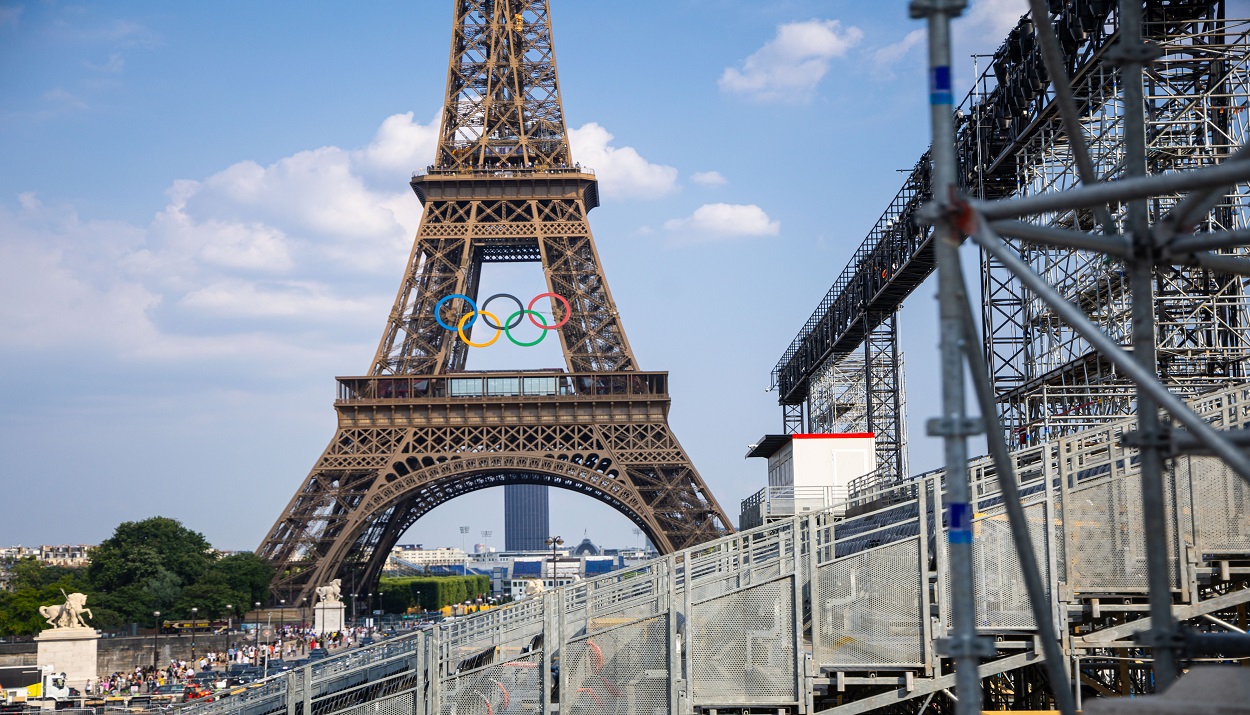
(1050, 380)
(865, 392)
(419, 430)
(1009, 143)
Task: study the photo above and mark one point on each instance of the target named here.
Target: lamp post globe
(554, 542)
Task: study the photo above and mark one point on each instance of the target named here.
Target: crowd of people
(287, 643)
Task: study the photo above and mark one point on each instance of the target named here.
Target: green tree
(145, 565)
(37, 585)
(248, 575)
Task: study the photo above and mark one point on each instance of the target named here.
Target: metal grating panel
(621, 670)
(742, 647)
(1221, 516)
(1002, 601)
(1106, 540)
(513, 686)
(395, 705)
(870, 608)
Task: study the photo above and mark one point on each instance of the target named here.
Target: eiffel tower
(419, 430)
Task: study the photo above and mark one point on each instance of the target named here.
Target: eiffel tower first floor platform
(406, 444)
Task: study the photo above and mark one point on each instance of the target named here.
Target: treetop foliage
(146, 566)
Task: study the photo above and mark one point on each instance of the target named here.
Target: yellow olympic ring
(465, 318)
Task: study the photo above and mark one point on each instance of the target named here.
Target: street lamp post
(229, 617)
(554, 542)
(354, 595)
(156, 635)
(256, 633)
(369, 605)
(195, 626)
(281, 623)
(381, 611)
(486, 540)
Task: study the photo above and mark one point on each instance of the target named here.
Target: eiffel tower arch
(420, 430)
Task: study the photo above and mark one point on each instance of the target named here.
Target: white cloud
(979, 30)
(711, 221)
(285, 299)
(306, 238)
(791, 65)
(399, 146)
(988, 20)
(114, 65)
(886, 57)
(622, 172)
(10, 15)
(708, 178)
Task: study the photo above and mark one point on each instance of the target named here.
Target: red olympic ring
(568, 310)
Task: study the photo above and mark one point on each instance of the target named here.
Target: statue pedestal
(71, 651)
(328, 617)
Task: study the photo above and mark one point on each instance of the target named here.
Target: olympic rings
(470, 343)
(439, 306)
(568, 311)
(492, 321)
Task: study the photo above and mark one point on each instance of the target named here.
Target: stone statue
(68, 614)
(534, 587)
(330, 594)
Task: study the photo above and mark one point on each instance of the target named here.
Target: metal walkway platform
(817, 614)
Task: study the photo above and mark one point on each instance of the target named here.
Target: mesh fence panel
(743, 648)
(1221, 516)
(870, 607)
(1002, 600)
(619, 671)
(514, 686)
(1106, 537)
(401, 704)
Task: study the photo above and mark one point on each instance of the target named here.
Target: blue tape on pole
(959, 523)
(940, 85)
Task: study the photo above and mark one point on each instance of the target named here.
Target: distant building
(68, 555)
(526, 517)
(71, 555)
(418, 558)
(586, 548)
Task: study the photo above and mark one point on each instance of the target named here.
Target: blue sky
(204, 216)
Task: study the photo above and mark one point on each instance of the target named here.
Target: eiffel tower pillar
(418, 430)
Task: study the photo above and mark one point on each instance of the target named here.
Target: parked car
(169, 693)
(318, 654)
(367, 640)
(211, 679)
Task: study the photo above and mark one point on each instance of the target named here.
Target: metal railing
(539, 385)
(733, 622)
(771, 503)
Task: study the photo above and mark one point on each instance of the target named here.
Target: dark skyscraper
(526, 517)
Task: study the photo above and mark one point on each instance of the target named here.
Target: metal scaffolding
(1048, 379)
(865, 392)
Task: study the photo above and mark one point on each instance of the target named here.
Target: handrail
(544, 385)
